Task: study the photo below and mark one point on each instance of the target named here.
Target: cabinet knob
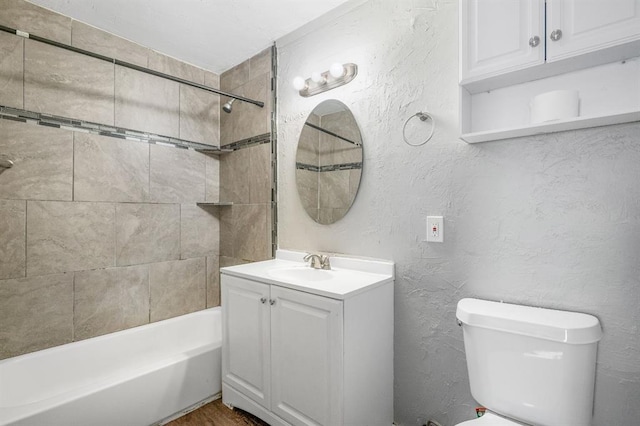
(272, 301)
(263, 300)
(534, 41)
(556, 35)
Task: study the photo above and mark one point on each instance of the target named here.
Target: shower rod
(128, 65)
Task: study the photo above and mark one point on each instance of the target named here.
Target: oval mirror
(329, 162)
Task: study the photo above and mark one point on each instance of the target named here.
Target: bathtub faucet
(318, 261)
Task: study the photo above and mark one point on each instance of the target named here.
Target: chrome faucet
(318, 261)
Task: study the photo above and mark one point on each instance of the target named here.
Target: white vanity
(304, 346)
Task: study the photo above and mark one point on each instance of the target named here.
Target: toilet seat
(490, 419)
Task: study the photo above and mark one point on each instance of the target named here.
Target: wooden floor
(217, 414)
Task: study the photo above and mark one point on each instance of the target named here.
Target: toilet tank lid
(549, 324)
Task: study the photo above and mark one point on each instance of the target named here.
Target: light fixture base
(313, 88)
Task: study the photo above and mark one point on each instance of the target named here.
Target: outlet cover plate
(435, 229)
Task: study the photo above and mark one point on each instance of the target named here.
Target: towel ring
(423, 116)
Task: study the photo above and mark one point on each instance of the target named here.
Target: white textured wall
(547, 220)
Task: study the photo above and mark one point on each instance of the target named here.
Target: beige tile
(13, 222)
(11, 70)
(199, 231)
(329, 216)
(211, 79)
(63, 236)
(308, 144)
(96, 40)
(199, 115)
(260, 63)
(108, 169)
(333, 188)
(43, 158)
(235, 77)
(235, 169)
(354, 183)
(270, 208)
(177, 175)
(177, 288)
(307, 184)
(147, 103)
(227, 125)
(335, 150)
(251, 120)
(109, 300)
(260, 173)
(231, 261)
(147, 233)
(168, 65)
(227, 231)
(35, 313)
(68, 84)
(212, 179)
(250, 222)
(213, 281)
(28, 17)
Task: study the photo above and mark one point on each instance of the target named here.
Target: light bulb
(337, 70)
(299, 83)
(318, 78)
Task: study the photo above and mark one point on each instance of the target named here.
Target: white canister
(555, 105)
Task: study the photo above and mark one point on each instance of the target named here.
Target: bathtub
(138, 377)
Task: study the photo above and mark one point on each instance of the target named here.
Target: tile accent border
(329, 168)
(59, 122)
(249, 142)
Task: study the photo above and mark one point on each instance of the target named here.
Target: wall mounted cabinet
(511, 51)
(294, 357)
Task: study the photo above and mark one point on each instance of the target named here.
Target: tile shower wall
(246, 173)
(99, 234)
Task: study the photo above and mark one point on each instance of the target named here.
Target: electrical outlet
(435, 229)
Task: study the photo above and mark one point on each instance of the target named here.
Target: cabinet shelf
(551, 127)
(609, 94)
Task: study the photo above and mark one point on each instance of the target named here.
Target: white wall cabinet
(507, 57)
(499, 36)
(296, 358)
(577, 27)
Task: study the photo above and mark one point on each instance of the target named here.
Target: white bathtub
(135, 377)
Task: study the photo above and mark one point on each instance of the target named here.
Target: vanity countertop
(348, 275)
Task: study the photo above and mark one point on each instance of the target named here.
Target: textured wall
(100, 234)
(550, 220)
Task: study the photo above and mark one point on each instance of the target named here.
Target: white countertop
(348, 276)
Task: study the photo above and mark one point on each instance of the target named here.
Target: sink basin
(301, 273)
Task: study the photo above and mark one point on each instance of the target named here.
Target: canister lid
(550, 324)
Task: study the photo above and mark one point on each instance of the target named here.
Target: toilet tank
(530, 364)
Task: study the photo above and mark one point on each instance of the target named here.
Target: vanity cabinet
(292, 357)
(511, 51)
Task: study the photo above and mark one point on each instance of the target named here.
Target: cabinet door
(495, 36)
(589, 25)
(245, 338)
(306, 353)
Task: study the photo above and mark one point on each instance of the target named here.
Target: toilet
(529, 366)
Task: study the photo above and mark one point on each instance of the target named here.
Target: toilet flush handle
(459, 322)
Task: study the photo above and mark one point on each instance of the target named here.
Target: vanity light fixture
(337, 75)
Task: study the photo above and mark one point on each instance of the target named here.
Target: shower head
(227, 107)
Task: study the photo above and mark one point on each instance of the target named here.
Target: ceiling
(212, 34)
